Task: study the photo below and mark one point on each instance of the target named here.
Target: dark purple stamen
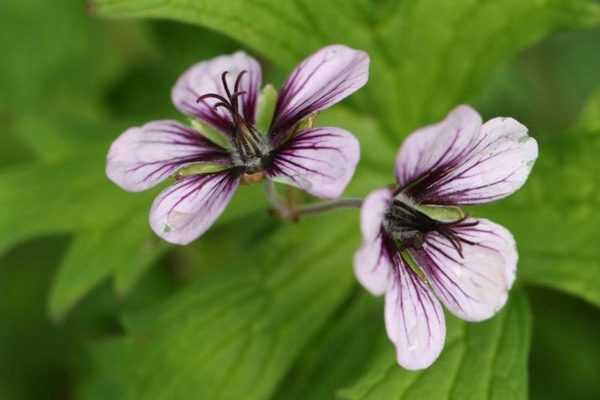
(249, 143)
(408, 227)
(230, 102)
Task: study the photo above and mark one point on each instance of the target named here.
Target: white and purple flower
(420, 249)
(210, 161)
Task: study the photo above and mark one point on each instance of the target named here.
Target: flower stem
(290, 212)
(279, 206)
(324, 206)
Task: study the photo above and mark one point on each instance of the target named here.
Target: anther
(224, 80)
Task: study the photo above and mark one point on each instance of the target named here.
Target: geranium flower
(420, 249)
(210, 161)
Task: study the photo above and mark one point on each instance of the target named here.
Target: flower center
(252, 149)
(408, 225)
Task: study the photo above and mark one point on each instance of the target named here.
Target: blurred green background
(94, 306)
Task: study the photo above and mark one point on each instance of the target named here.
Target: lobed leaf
(234, 333)
(480, 360)
(124, 251)
(427, 56)
(342, 352)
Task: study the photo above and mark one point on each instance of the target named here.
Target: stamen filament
(224, 81)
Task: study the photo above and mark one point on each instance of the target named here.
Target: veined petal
(372, 211)
(321, 80)
(184, 211)
(459, 161)
(144, 156)
(206, 77)
(414, 320)
(497, 167)
(473, 286)
(320, 161)
(437, 146)
(372, 267)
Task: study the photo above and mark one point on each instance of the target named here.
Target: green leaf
(419, 70)
(143, 91)
(557, 74)
(480, 360)
(33, 349)
(13, 150)
(124, 250)
(574, 325)
(119, 242)
(341, 353)
(234, 333)
(552, 216)
(74, 196)
(68, 51)
(53, 78)
(589, 120)
(58, 197)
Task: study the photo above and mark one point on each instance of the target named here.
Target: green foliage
(485, 360)
(256, 313)
(564, 347)
(43, 42)
(590, 116)
(551, 216)
(32, 349)
(257, 308)
(557, 74)
(427, 55)
(338, 356)
(69, 130)
(127, 250)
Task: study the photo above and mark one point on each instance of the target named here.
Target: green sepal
(307, 122)
(446, 214)
(409, 259)
(266, 108)
(211, 134)
(201, 168)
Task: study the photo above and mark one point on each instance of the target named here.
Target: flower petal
(475, 286)
(372, 267)
(321, 80)
(205, 77)
(414, 320)
(372, 211)
(144, 156)
(435, 146)
(458, 161)
(320, 161)
(184, 211)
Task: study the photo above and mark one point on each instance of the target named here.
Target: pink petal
(184, 211)
(144, 156)
(372, 211)
(320, 161)
(473, 286)
(435, 145)
(459, 161)
(321, 80)
(414, 321)
(205, 77)
(372, 267)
